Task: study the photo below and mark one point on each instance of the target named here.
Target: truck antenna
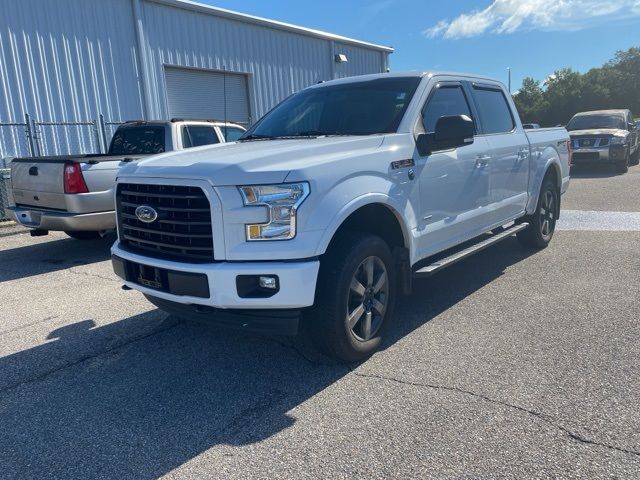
(224, 93)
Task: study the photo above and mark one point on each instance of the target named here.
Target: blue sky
(533, 37)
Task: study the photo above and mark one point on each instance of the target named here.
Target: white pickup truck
(74, 193)
(328, 206)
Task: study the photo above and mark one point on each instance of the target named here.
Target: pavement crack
(539, 415)
(94, 275)
(83, 359)
(22, 327)
(291, 346)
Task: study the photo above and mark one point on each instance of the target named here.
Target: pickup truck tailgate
(38, 183)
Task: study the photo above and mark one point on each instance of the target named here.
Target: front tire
(542, 223)
(623, 166)
(84, 235)
(635, 158)
(355, 297)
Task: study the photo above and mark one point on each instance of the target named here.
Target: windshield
(358, 108)
(592, 122)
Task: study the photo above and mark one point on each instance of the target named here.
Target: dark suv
(605, 136)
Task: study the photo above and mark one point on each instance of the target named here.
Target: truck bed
(39, 181)
(91, 158)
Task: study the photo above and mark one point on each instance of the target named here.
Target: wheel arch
(374, 215)
(550, 167)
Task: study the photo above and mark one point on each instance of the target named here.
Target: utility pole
(509, 70)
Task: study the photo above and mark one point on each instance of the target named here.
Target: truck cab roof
(192, 121)
(602, 112)
(407, 74)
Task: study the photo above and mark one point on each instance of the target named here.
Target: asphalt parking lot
(510, 364)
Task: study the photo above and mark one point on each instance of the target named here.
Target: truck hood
(256, 162)
(599, 131)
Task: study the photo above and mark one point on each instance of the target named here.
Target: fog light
(268, 282)
(257, 286)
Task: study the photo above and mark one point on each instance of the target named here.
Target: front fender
(356, 192)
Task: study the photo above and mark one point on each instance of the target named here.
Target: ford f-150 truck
(327, 207)
(74, 193)
(605, 137)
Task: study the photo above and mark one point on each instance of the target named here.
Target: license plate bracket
(150, 277)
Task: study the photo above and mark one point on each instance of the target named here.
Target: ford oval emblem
(146, 214)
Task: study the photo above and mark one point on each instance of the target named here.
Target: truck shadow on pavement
(594, 171)
(51, 256)
(139, 397)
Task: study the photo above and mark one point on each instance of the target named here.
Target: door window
(494, 111)
(231, 134)
(446, 100)
(198, 135)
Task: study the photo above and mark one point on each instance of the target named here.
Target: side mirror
(452, 131)
(633, 126)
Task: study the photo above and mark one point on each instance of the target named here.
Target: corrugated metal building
(69, 61)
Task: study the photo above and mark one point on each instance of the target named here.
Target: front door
(454, 184)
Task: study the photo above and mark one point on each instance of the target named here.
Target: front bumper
(63, 221)
(586, 156)
(297, 281)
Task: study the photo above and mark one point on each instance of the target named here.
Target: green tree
(530, 101)
(614, 85)
(563, 94)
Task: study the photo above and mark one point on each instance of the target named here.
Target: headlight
(618, 140)
(282, 202)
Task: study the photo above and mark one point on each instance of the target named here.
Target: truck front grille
(589, 142)
(182, 229)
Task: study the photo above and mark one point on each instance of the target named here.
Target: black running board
(467, 252)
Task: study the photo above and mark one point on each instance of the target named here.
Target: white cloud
(507, 16)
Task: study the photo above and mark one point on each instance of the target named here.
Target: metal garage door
(201, 94)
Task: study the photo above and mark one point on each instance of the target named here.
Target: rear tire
(84, 235)
(355, 297)
(542, 223)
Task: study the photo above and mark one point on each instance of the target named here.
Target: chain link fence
(68, 138)
(34, 138)
(5, 193)
(16, 139)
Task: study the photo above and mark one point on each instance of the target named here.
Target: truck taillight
(569, 150)
(73, 179)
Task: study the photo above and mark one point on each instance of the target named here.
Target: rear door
(454, 184)
(510, 152)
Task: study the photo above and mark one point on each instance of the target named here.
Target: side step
(467, 252)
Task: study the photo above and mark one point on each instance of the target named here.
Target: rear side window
(231, 134)
(494, 111)
(137, 140)
(445, 101)
(198, 135)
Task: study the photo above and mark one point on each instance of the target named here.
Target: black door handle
(33, 171)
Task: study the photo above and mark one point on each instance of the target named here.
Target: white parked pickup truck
(328, 206)
(74, 193)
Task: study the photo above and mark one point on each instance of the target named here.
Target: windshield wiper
(319, 133)
(254, 136)
(308, 134)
